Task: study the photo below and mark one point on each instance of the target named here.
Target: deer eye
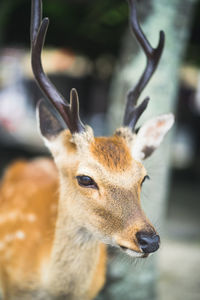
(145, 177)
(86, 181)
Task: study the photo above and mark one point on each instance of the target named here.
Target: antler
(133, 112)
(68, 111)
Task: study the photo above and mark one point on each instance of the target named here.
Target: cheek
(91, 198)
(87, 195)
(86, 201)
(105, 218)
(95, 195)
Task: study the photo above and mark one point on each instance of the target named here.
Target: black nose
(148, 242)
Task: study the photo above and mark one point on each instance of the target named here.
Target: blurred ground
(180, 271)
(180, 253)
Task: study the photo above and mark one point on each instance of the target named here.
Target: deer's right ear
(49, 123)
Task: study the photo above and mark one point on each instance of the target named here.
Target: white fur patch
(17, 215)
(20, 235)
(11, 216)
(83, 139)
(31, 218)
(133, 253)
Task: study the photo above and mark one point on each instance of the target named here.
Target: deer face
(103, 177)
(113, 208)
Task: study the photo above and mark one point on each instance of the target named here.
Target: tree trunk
(126, 280)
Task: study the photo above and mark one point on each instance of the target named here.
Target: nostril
(148, 243)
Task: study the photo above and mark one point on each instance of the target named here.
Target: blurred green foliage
(193, 47)
(90, 27)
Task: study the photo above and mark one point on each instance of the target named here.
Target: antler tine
(133, 113)
(69, 112)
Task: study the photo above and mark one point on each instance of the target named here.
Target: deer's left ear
(151, 135)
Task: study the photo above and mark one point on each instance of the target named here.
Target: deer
(58, 216)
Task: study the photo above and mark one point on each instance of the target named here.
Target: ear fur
(151, 135)
(83, 139)
(49, 122)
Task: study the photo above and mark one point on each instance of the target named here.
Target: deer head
(101, 177)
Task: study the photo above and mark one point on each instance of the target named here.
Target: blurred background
(89, 47)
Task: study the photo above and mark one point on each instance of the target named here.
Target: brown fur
(25, 210)
(112, 153)
(99, 276)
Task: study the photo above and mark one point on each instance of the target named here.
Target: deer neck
(74, 255)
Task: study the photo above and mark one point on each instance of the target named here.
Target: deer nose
(148, 242)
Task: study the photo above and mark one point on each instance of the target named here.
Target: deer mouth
(133, 253)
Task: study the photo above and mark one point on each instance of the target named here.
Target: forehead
(112, 153)
(109, 160)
